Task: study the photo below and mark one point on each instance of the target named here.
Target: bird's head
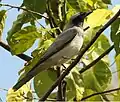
(77, 19)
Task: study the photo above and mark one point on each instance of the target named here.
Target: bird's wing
(62, 40)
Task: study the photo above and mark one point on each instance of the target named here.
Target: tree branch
(22, 56)
(96, 60)
(59, 91)
(94, 94)
(30, 11)
(79, 56)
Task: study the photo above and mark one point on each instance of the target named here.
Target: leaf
(75, 87)
(118, 67)
(115, 35)
(2, 21)
(100, 16)
(23, 39)
(94, 98)
(90, 2)
(97, 78)
(43, 81)
(35, 5)
(100, 46)
(101, 5)
(17, 25)
(78, 5)
(107, 1)
(117, 96)
(19, 95)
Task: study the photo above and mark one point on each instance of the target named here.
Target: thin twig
(22, 56)
(30, 11)
(64, 89)
(96, 60)
(79, 56)
(59, 92)
(98, 93)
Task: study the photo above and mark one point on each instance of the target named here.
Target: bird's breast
(68, 51)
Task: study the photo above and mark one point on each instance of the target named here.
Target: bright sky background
(10, 65)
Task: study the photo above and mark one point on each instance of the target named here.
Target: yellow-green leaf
(19, 95)
(23, 39)
(98, 17)
(43, 81)
(75, 87)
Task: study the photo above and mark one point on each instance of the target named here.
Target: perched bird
(66, 45)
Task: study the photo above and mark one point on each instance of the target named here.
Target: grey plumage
(67, 44)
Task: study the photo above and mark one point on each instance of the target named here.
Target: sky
(10, 65)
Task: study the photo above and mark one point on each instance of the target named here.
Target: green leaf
(94, 98)
(107, 1)
(43, 81)
(101, 5)
(118, 67)
(100, 16)
(2, 21)
(78, 5)
(17, 25)
(35, 5)
(75, 87)
(115, 35)
(100, 46)
(23, 39)
(97, 78)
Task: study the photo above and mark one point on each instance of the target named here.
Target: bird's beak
(87, 13)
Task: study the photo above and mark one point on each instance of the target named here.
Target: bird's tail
(21, 82)
(33, 72)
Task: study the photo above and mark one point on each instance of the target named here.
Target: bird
(65, 46)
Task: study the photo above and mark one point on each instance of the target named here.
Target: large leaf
(43, 81)
(101, 45)
(35, 5)
(115, 35)
(78, 5)
(19, 95)
(75, 87)
(23, 39)
(97, 78)
(17, 25)
(2, 21)
(98, 17)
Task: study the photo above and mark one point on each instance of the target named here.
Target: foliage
(24, 32)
